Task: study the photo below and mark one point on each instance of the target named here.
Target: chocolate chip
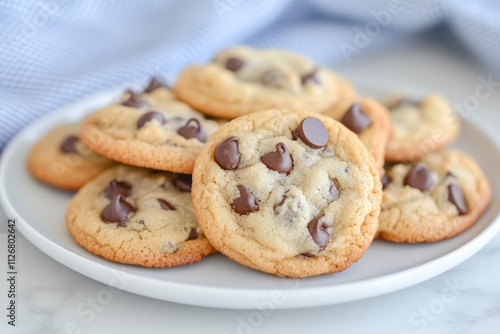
(319, 231)
(310, 77)
(273, 78)
(153, 85)
(280, 160)
(246, 203)
(227, 155)
(312, 132)
(450, 174)
(149, 116)
(281, 202)
(456, 197)
(135, 100)
(389, 164)
(288, 208)
(419, 177)
(176, 119)
(69, 144)
(386, 179)
(165, 205)
(115, 187)
(192, 234)
(170, 247)
(234, 64)
(355, 119)
(165, 185)
(193, 129)
(183, 182)
(117, 211)
(333, 191)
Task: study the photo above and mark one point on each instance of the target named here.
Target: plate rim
(229, 297)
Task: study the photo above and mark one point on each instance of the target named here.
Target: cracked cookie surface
(242, 80)
(138, 216)
(61, 160)
(288, 193)
(420, 127)
(151, 129)
(433, 199)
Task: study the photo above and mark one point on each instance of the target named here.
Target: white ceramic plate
(216, 281)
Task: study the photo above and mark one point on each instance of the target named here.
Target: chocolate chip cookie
(420, 127)
(61, 160)
(370, 120)
(433, 199)
(288, 193)
(151, 129)
(138, 216)
(242, 80)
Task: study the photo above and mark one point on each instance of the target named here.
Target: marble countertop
(54, 299)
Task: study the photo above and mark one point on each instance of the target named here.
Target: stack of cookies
(430, 193)
(266, 157)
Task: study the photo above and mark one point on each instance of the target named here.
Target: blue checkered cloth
(53, 52)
